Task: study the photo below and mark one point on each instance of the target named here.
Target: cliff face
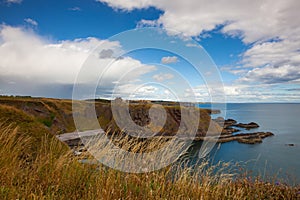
(162, 120)
(56, 116)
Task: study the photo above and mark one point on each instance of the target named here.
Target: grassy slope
(35, 165)
(56, 115)
(53, 173)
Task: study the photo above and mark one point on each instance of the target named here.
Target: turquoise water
(273, 156)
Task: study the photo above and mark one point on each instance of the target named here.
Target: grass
(55, 114)
(54, 173)
(35, 165)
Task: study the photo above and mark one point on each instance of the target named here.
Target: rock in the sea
(250, 140)
(247, 126)
(229, 122)
(229, 130)
(253, 138)
(247, 138)
(225, 123)
(291, 145)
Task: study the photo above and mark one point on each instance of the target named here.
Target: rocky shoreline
(229, 129)
(246, 138)
(228, 134)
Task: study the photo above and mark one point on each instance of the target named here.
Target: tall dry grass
(54, 173)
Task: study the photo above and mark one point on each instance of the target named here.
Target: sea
(278, 156)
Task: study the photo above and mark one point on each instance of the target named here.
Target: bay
(274, 157)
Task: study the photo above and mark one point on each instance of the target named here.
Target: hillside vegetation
(35, 165)
(56, 115)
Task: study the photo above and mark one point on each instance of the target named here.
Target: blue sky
(44, 44)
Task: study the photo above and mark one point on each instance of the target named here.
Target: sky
(251, 47)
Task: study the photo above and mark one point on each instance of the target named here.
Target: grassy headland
(36, 165)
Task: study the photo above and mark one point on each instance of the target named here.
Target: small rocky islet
(229, 132)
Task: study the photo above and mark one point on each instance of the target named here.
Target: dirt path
(77, 135)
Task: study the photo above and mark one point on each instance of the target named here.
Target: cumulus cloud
(162, 77)
(147, 23)
(135, 91)
(276, 53)
(271, 74)
(31, 21)
(28, 58)
(271, 18)
(169, 59)
(127, 5)
(271, 26)
(247, 93)
(273, 62)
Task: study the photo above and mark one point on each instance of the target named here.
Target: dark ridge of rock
(261, 134)
(247, 138)
(229, 130)
(290, 145)
(227, 125)
(229, 122)
(247, 126)
(250, 140)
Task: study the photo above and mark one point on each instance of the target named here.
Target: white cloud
(275, 53)
(271, 74)
(26, 57)
(127, 5)
(255, 20)
(247, 93)
(162, 77)
(236, 70)
(271, 26)
(31, 21)
(169, 59)
(75, 9)
(137, 91)
(147, 23)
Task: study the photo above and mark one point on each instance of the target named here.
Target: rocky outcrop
(290, 145)
(227, 125)
(229, 122)
(246, 138)
(247, 126)
(253, 138)
(229, 130)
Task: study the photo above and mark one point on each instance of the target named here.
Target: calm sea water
(273, 157)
